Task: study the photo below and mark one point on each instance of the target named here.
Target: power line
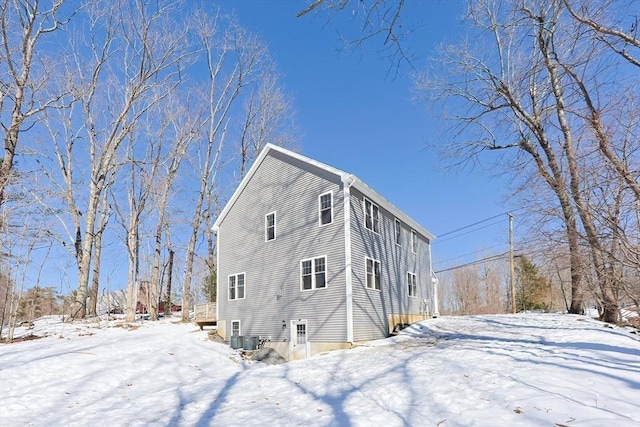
(470, 231)
(480, 261)
(472, 225)
(476, 223)
(470, 253)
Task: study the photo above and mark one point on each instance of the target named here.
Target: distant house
(311, 259)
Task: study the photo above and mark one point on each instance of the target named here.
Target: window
(313, 273)
(236, 286)
(414, 241)
(373, 273)
(413, 284)
(326, 208)
(301, 333)
(235, 328)
(270, 226)
(398, 230)
(371, 216)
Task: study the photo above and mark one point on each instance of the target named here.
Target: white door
(299, 342)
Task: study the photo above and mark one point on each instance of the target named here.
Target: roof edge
(346, 178)
(258, 160)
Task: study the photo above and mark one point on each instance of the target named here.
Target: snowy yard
(503, 370)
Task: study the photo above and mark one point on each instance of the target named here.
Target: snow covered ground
(502, 370)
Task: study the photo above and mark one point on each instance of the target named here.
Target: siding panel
(372, 308)
(291, 189)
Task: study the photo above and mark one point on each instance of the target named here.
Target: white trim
(239, 328)
(344, 176)
(415, 284)
(397, 231)
(330, 193)
(244, 286)
(252, 170)
(313, 273)
(348, 268)
(389, 207)
(373, 222)
(366, 285)
(434, 282)
(293, 337)
(414, 241)
(217, 276)
(275, 227)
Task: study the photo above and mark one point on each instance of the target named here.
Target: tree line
(126, 124)
(545, 92)
(128, 121)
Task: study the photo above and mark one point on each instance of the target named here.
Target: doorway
(299, 343)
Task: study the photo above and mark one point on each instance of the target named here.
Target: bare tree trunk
(545, 36)
(95, 278)
(167, 307)
(132, 282)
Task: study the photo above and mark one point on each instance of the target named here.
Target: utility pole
(511, 266)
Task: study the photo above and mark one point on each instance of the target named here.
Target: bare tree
(178, 129)
(522, 85)
(268, 119)
(135, 61)
(377, 20)
(235, 60)
(25, 71)
(604, 20)
(545, 77)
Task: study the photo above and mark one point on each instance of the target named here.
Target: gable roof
(347, 178)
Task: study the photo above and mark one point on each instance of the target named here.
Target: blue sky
(352, 115)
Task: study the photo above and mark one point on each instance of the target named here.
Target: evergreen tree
(209, 288)
(533, 292)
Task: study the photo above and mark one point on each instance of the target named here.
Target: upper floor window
(413, 284)
(373, 273)
(371, 216)
(414, 241)
(326, 208)
(313, 272)
(398, 230)
(270, 226)
(236, 286)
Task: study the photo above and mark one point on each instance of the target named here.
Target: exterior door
(299, 341)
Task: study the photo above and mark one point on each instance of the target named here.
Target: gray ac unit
(236, 341)
(251, 343)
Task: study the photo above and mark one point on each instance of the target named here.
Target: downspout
(434, 282)
(347, 182)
